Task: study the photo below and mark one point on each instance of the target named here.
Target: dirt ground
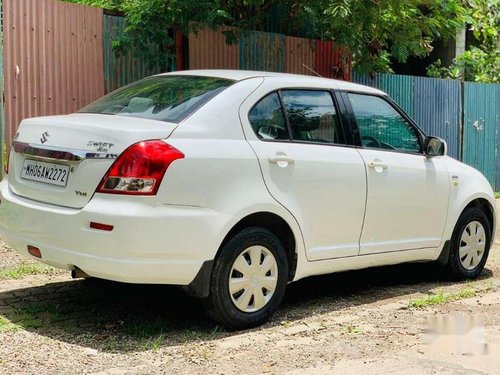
(400, 319)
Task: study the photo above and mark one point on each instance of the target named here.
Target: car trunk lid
(61, 159)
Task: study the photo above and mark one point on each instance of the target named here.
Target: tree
(480, 62)
(375, 31)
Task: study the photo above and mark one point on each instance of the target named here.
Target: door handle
(277, 159)
(377, 165)
(281, 159)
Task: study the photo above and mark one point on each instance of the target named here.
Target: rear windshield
(164, 98)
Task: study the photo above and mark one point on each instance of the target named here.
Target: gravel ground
(9, 259)
(344, 323)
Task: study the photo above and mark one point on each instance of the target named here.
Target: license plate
(49, 173)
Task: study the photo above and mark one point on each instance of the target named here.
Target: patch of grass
(154, 343)
(113, 344)
(497, 194)
(146, 329)
(39, 315)
(7, 325)
(440, 298)
(202, 352)
(352, 329)
(25, 270)
(30, 322)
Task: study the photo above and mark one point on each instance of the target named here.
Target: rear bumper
(149, 243)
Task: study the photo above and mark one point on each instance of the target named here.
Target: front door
(407, 197)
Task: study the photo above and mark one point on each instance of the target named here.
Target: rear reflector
(35, 251)
(139, 169)
(99, 226)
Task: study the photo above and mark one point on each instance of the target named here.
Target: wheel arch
(481, 202)
(276, 225)
(200, 286)
(487, 208)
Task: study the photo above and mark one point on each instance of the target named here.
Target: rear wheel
(470, 244)
(248, 280)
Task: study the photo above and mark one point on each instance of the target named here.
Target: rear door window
(312, 116)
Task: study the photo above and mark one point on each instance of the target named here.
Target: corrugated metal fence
(208, 50)
(481, 122)
(125, 69)
(268, 51)
(438, 109)
(3, 145)
(497, 173)
(436, 106)
(53, 58)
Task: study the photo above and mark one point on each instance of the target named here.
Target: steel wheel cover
(253, 279)
(472, 245)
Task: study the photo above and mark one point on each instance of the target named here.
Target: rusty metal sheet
(208, 50)
(299, 55)
(53, 58)
(262, 51)
(332, 61)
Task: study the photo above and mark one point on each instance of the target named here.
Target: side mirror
(435, 146)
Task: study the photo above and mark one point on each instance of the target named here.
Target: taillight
(139, 169)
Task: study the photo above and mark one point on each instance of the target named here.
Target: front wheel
(470, 244)
(248, 280)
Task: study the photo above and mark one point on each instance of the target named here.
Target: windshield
(164, 98)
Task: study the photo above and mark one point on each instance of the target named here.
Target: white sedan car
(235, 183)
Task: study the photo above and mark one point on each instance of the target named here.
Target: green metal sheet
(497, 172)
(262, 51)
(480, 125)
(366, 80)
(438, 110)
(122, 70)
(401, 89)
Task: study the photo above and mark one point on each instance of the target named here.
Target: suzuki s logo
(45, 137)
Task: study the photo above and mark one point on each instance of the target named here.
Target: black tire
(455, 266)
(219, 304)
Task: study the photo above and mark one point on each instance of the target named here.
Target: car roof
(239, 75)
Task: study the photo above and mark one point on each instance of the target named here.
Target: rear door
(298, 137)
(407, 197)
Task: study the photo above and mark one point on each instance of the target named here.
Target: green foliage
(25, 270)
(480, 63)
(381, 31)
(376, 31)
(6, 325)
(107, 4)
(437, 70)
(441, 298)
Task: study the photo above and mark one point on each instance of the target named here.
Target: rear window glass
(164, 98)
